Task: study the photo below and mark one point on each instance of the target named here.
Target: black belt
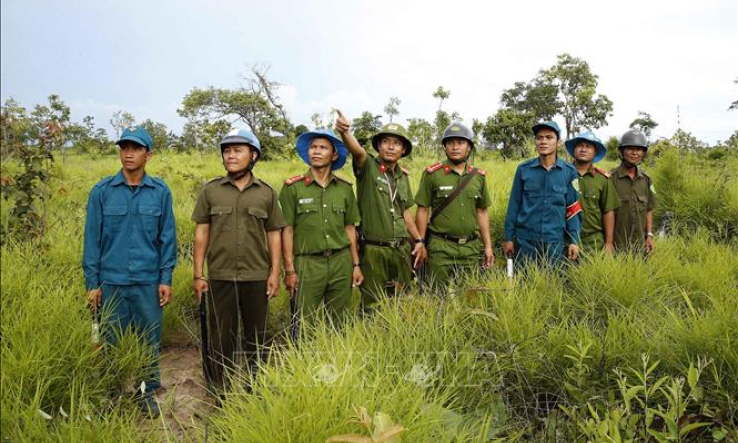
(457, 240)
(326, 254)
(394, 244)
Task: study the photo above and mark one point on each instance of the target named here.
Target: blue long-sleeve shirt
(543, 204)
(130, 234)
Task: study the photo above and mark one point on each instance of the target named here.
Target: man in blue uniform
(543, 211)
(130, 250)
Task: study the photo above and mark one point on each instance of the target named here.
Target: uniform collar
(119, 179)
(383, 168)
(623, 171)
(591, 171)
(448, 167)
(227, 180)
(558, 164)
(308, 180)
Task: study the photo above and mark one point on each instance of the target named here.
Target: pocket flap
(221, 210)
(339, 207)
(115, 210)
(257, 212)
(149, 210)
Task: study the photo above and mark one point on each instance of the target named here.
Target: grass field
(616, 349)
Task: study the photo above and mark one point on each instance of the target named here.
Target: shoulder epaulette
(341, 179)
(434, 167)
(480, 171)
(293, 180)
(602, 171)
(213, 180)
(529, 161)
(406, 171)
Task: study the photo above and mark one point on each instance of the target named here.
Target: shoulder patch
(341, 179)
(602, 171)
(434, 167)
(406, 171)
(293, 180)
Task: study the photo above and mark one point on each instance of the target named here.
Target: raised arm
(343, 126)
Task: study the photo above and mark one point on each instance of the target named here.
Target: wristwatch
(649, 234)
(419, 240)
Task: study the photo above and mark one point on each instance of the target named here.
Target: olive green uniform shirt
(459, 218)
(637, 197)
(238, 223)
(319, 215)
(598, 196)
(383, 196)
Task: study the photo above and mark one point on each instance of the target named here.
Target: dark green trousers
(231, 303)
(387, 272)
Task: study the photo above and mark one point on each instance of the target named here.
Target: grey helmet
(634, 138)
(458, 130)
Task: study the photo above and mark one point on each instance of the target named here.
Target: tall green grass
(490, 360)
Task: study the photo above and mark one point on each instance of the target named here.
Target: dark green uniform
(637, 196)
(238, 266)
(597, 196)
(322, 256)
(383, 196)
(454, 243)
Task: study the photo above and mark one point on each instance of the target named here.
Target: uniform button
(462, 204)
(325, 206)
(327, 236)
(326, 220)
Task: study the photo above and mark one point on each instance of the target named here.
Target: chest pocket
(114, 217)
(308, 215)
(150, 216)
(220, 218)
(558, 196)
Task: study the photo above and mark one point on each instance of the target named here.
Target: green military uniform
(637, 196)
(597, 196)
(383, 196)
(322, 255)
(454, 243)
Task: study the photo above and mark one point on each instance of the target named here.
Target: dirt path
(183, 399)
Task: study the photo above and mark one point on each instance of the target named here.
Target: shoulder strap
(451, 197)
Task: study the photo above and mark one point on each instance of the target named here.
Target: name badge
(305, 201)
(382, 180)
(445, 188)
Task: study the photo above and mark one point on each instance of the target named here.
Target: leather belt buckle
(462, 241)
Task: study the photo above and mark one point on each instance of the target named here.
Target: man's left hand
(649, 245)
(165, 295)
(420, 254)
(573, 252)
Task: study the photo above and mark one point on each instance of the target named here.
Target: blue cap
(550, 124)
(304, 140)
(136, 135)
(240, 136)
(590, 137)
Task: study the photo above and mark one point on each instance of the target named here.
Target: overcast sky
(144, 56)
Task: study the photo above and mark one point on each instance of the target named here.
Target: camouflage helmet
(458, 130)
(397, 131)
(634, 138)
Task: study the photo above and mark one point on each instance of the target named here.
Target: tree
(421, 134)
(686, 141)
(256, 105)
(478, 128)
(120, 121)
(50, 124)
(16, 128)
(644, 123)
(509, 130)
(87, 139)
(201, 135)
(158, 132)
(538, 99)
(365, 126)
(580, 105)
(733, 106)
(391, 108)
(441, 94)
(317, 120)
